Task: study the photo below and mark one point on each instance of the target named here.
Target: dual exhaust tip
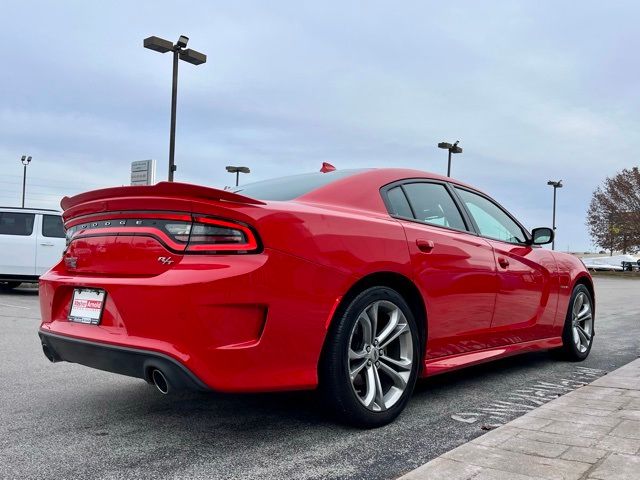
(158, 379)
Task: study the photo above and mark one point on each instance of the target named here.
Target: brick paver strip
(592, 433)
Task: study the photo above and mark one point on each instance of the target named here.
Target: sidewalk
(590, 433)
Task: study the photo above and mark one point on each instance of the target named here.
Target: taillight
(215, 235)
(179, 232)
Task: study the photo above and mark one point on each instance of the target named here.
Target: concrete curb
(590, 433)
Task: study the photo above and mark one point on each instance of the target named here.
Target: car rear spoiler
(162, 189)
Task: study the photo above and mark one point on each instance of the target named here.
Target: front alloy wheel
(371, 358)
(582, 322)
(577, 336)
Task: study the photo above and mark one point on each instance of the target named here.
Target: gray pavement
(68, 421)
(592, 433)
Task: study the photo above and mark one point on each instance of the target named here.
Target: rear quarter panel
(355, 243)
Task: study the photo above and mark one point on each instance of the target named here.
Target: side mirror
(541, 236)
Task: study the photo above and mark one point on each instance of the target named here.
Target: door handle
(425, 245)
(44, 244)
(504, 263)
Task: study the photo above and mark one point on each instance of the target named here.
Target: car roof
(355, 190)
(30, 210)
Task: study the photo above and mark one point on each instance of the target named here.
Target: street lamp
(452, 149)
(237, 171)
(180, 51)
(556, 186)
(25, 161)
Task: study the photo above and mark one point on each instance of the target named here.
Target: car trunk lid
(141, 231)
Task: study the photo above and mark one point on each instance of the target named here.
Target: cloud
(533, 90)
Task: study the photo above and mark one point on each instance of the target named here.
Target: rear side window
(16, 223)
(433, 204)
(294, 186)
(52, 226)
(398, 203)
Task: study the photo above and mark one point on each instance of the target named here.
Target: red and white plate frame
(94, 316)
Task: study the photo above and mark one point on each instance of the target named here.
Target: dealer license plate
(87, 305)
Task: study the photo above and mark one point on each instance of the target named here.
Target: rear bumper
(132, 362)
(242, 323)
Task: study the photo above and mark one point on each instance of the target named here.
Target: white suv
(31, 242)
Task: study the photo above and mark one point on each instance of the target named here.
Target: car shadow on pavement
(258, 414)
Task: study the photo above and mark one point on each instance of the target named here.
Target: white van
(31, 242)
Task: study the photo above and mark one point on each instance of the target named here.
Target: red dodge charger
(354, 281)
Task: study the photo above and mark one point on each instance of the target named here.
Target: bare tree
(613, 217)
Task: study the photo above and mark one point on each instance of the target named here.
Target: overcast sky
(533, 90)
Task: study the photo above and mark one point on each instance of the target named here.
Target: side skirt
(435, 366)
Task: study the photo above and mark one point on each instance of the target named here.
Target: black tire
(570, 349)
(9, 285)
(335, 381)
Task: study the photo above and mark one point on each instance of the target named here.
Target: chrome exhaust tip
(160, 381)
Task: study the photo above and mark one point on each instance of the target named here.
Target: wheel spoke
(399, 331)
(367, 327)
(404, 364)
(353, 372)
(398, 380)
(577, 304)
(353, 355)
(379, 392)
(394, 318)
(582, 332)
(370, 395)
(582, 341)
(374, 311)
(586, 318)
(584, 312)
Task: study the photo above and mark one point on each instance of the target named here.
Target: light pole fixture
(452, 149)
(180, 51)
(556, 186)
(25, 161)
(237, 171)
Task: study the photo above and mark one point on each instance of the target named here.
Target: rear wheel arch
(396, 281)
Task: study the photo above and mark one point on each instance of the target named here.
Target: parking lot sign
(143, 172)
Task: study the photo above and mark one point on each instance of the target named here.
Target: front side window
(52, 226)
(16, 223)
(491, 220)
(432, 203)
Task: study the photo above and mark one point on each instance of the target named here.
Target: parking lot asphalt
(68, 421)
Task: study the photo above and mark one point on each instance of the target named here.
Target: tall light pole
(452, 149)
(25, 161)
(180, 51)
(237, 171)
(556, 186)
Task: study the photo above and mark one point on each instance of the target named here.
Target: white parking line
(14, 306)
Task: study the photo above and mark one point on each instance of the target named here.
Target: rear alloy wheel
(9, 285)
(577, 337)
(371, 362)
